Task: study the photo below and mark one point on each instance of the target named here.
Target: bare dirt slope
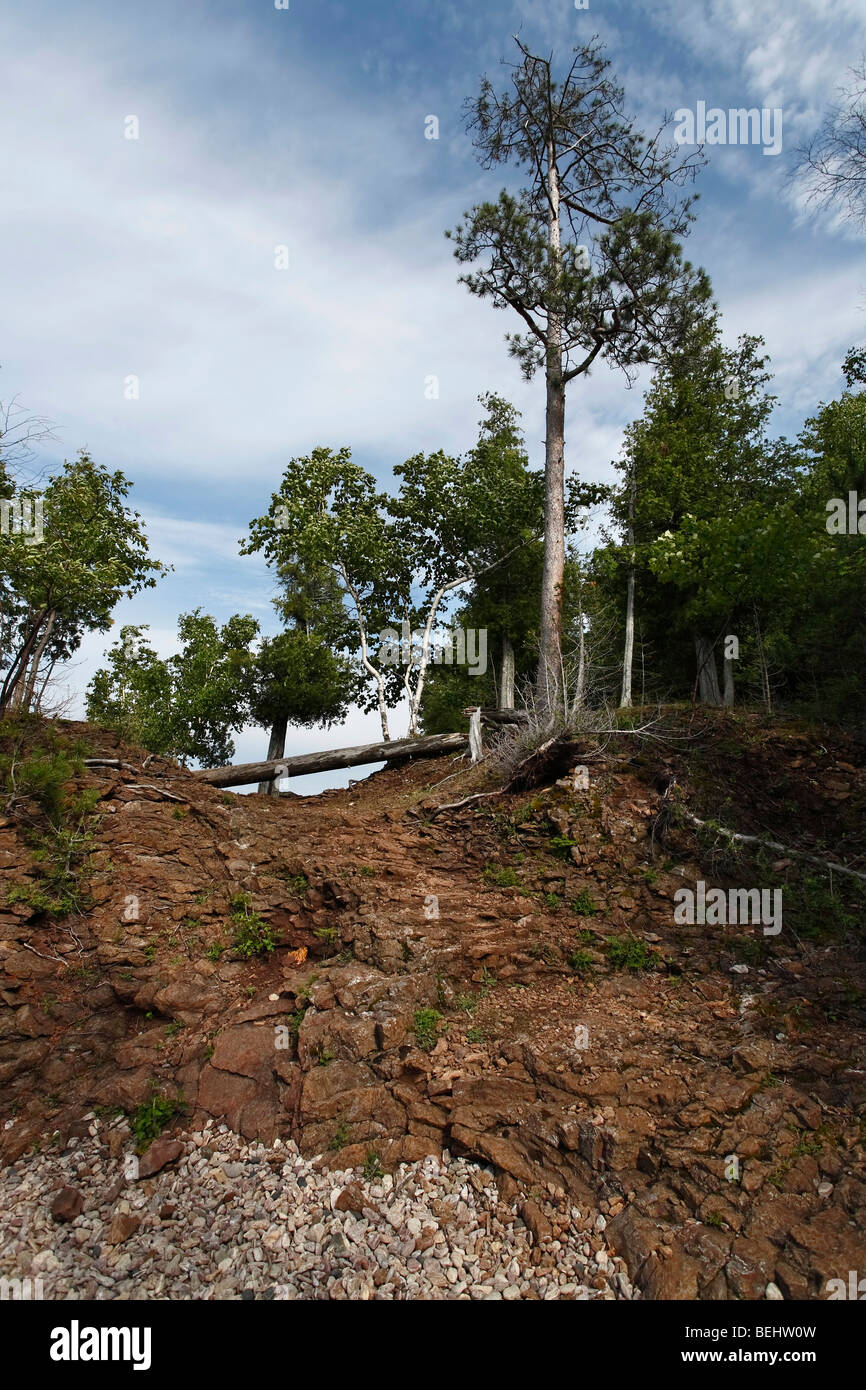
(505, 979)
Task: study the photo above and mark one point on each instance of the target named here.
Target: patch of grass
(714, 1218)
(806, 1144)
(580, 962)
(367, 871)
(173, 1028)
(58, 825)
(561, 846)
(180, 813)
(629, 953)
(226, 799)
(151, 1118)
(425, 1028)
(769, 1081)
(584, 905)
(778, 1174)
(751, 950)
(340, 1138)
(214, 952)
(252, 935)
(327, 934)
(476, 1035)
(372, 1169)
(501, 876)
(552, 901)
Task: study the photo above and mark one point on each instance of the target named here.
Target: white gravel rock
(232, 1220)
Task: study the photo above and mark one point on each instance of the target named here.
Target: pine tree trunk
(708, 676)
(506, 689)
(276, 749)
(549, 688)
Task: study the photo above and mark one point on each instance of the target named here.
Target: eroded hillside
(366, 973)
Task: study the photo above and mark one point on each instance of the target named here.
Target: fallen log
(496, 717)
(240, 774)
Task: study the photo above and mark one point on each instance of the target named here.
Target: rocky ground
(504, 980)
(223, 1219)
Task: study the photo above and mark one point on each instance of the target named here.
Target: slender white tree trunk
(30, 686)
(729, 682)
(424, 661)
(365, 659)
(581, 661)
(628, 652)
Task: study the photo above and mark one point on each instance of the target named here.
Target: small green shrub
(372, 1169)
(252, 935)
(580, 962)
(340, 1139)
(151, 1118)
(584, 905)
(629, 953)
(501, 877)
(425, 1025)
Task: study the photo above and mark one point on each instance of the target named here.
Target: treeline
(728, 565)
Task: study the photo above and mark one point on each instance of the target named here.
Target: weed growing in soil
(151, 1118)
(425, 1025)
(629, 953)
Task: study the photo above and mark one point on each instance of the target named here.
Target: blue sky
(304, 127)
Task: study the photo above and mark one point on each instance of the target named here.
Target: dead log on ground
(240, 774)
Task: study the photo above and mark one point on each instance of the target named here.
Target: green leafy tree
(698, 461)
(64, 582)
(187, 705)
(328, 515)
(304, 675)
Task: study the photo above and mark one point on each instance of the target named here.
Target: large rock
(67, 1204)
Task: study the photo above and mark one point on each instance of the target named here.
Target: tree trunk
(729, 682)
(581, 661)
(762, 658)
(30, 684)
(628, 652)
(18, 666)
(276, 749)
(506, 689)
(365, 660)
(476, 748)
(549, 688)
(708, 676)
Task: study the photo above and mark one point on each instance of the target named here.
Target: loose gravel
(233, 1220)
